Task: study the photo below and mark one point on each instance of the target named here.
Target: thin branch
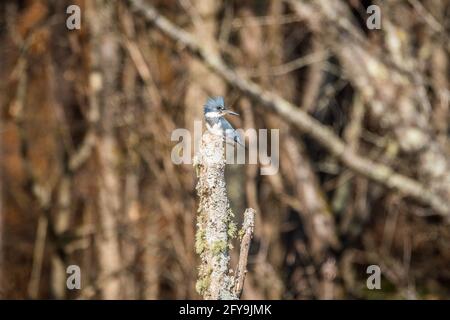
(290, 66)
(427, 16)
(38, 257)
(322, 134)
(265, 20)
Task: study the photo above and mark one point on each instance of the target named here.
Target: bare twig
(325, 136)
(83, 153)
(427, 16)
(290, 66)
(38, 257)
(265, 20)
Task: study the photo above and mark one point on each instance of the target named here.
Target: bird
(214, 112)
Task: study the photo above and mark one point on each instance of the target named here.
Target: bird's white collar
(213, 114)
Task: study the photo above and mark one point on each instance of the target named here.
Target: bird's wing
(230, 132)
(226, 125)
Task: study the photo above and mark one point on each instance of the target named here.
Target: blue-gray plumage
(214, 111)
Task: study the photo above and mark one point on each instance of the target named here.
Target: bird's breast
(215, 128)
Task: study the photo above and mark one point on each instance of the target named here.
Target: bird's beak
(231, 112)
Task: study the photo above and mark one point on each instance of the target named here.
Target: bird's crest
(213, 104)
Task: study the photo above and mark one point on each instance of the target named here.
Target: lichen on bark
(215, 226)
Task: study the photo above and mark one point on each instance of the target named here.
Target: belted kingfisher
(214, 110)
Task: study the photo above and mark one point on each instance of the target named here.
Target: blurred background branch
(87, 116)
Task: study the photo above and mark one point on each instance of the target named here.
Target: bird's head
(215, 108)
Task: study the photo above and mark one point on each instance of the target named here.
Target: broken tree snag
(214, 221)
(215, 226)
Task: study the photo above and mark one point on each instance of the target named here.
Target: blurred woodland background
(86, 120)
